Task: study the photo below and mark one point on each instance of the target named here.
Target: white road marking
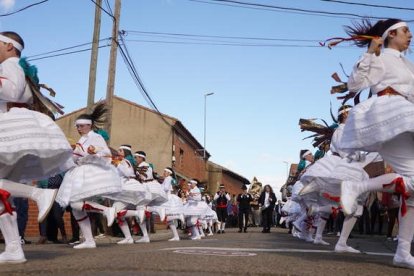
(286, 250)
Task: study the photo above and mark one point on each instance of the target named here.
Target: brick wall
(32, 228)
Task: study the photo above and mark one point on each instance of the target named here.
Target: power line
(105, 11)
(24, 8)
(225, 44)
(67, 48)
(64, 54)
(242, 4)
(223, 37)
(369, 5)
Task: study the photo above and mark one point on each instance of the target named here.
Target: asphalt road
(232, 253)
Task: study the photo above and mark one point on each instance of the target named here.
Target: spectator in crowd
(267, 203)
(21, 205)
(244, 199)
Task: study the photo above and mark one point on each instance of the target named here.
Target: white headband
(125, 147)
(192, 182)
(392, 28)
(344, 110)
(16, 44)
(168, 170)
(306, 153)
(83, 122)
(140, 155)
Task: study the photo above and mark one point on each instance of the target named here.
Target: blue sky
(259, 92)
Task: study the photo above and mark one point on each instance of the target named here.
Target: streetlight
(205, 120)
(287, 168)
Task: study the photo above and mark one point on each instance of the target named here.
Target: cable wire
(24, 8)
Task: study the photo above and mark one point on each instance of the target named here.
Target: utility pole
(94, 56)
(112, 65)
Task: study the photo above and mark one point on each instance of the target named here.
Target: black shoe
(245, 230)
(222, 231)
(218, 231)
(239, 231)
(24, 241)
(73, 241)
(263, 231)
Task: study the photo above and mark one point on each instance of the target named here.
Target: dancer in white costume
(94, 176)
(133, 198)
(323, 184)
(144, 175)
(32, 146)
(174, 208)
(384, 122)
(303, 223)
(194, 209)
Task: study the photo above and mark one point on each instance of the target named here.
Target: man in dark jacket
(243, 200)
(267, 203)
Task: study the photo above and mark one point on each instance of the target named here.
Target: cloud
(7, 5)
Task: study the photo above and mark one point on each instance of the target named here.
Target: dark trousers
(243, 213)
(221, 214)
(74, 224)
(392, 217)
(55, 222)
(22, 208)
(267, 218)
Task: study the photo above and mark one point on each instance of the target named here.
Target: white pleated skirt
(375, 121)
(93, 177)
(32, 146)
(195, 208)
(133, 192)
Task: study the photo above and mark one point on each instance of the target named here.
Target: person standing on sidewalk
(267, 203)
(221, 198)
(243, 200)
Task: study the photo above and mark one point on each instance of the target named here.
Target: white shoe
(14, 255)
(320, 241)
(110, 215)
(345, 249)
(407, 262)
(126, 241)
(196, 238)
(174, 239)
(349, 195)
(143, 240)
(309, 238)
(210, 234)
(44, 199)
(85, 245)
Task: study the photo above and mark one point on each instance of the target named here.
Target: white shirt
(166, 184)
(125, 169)
(91, 139)
(148, 174)
(195, 194)
(336, 137)
(390, 68)
(13, 86)
(266, 201)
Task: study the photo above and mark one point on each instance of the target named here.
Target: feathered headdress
(40, 102)
(322, 132)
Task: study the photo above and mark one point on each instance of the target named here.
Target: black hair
(341, 117)
(301, 153)
(142, 153)
(366, 27)
(127, 152)
(97, 116)
(17, 38)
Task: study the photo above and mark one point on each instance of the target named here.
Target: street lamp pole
(287, 168)
(205, 121)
